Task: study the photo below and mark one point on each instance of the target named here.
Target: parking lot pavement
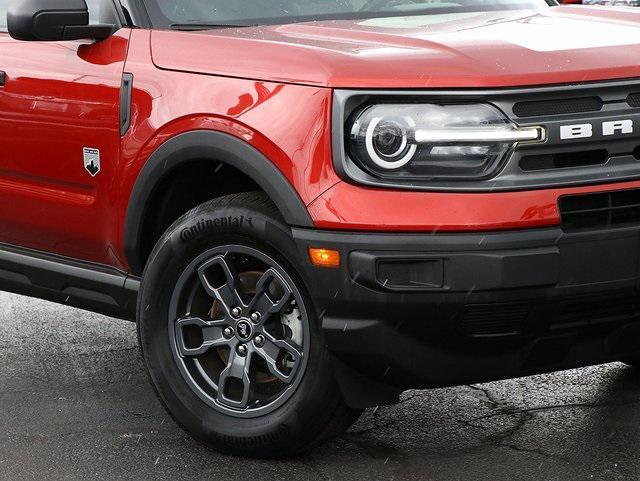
(75, 404)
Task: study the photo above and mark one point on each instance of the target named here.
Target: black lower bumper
(420, 310)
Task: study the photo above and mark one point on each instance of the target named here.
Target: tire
(274, 397)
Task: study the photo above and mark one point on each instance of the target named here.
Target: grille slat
(601, 210)
(558, 107)
(512, 319)
(564, 160)
(590, 311)
(493, 320)
(634, 100)
(538, 108)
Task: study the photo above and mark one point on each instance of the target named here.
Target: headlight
(430, 141)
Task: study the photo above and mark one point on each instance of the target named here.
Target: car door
(60, 141)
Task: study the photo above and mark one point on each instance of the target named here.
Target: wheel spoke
(263, 302)
(271, 351)
(236, 302)
(212, 336)
(238, 369)
(226, 293)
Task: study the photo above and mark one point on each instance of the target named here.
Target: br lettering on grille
(583, 131)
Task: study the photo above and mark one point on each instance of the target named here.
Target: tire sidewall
(197, 232)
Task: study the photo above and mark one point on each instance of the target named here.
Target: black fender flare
(219, 147)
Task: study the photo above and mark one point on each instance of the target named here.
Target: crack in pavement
(503, 438)
(376, 415)
(538, 452)
(555, 407)
(521, 418)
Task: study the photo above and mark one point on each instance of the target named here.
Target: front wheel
(229, 334)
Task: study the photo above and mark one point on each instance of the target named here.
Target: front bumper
(420, 310)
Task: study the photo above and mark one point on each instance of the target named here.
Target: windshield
(167, 13)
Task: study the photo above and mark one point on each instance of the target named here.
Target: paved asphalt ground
(75, 404)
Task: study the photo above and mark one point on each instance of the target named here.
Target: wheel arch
(218, 147)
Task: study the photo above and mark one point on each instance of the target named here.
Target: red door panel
(59, 99)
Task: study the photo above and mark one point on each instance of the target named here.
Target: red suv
(310, 206)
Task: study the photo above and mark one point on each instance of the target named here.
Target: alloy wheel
(239, 331)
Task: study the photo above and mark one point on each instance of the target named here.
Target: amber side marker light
(324, 257)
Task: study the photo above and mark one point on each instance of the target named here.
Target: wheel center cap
(244, 331)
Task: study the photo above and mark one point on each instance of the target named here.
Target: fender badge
(91, 160)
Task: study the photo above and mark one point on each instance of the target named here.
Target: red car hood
(492, 49)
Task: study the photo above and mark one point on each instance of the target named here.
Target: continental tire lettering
(207, 225)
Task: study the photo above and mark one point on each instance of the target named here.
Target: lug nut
(255, 317)
(228, 332)
(259, 340)
(236, 312)
(242, 350)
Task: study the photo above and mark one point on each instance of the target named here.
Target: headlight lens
(387, 142)
(430, 141)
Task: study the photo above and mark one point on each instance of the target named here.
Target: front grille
(493, 320)
(585, 312)
(600, 210)
(558, 107)
(487, 321)
(598, 157)
(564, 160)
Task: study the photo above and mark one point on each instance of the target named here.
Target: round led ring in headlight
(387, 143)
